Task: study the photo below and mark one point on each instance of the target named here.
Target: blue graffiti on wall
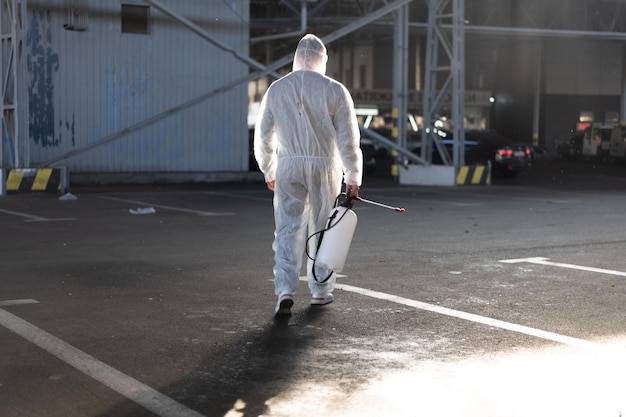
(68, 127)
(42, 63)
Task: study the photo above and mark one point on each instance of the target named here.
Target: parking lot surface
(157, 300)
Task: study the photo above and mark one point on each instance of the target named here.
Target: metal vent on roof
(76, 17)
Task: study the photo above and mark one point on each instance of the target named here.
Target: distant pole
(400, 83)
(537, 98)
(622, 117)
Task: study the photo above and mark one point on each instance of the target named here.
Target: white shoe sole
(322, 300)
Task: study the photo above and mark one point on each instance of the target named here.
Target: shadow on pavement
(244, 375)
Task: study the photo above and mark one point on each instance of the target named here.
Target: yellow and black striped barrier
(474, 175)
(49, 180)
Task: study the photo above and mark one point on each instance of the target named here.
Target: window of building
(348, 78)
(586, 116)
(611, 117)
(135, 18)
(362, 76)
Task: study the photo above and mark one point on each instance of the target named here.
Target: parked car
(507, 157)
(596, 141)
(617, 151)
(539, 152)
(572, 148)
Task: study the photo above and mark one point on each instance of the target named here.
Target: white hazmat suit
(306, 138)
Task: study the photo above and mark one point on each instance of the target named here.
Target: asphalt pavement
(157, 300)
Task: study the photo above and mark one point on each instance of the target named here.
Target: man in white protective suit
(306, 137)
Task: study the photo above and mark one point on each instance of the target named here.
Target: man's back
(303, 106)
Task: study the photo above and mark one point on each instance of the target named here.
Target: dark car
(572, 148)
(369, 156)
(507, 157)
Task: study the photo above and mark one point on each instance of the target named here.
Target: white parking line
(33, 218)
(171, 208)
(18, 302)
(130, 388)
(546, 261)
(542, 334)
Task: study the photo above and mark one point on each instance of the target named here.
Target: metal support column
(458, 81)
(14, 130)
(445, 56)
(400, 71)
(622, 116)
(400, 82)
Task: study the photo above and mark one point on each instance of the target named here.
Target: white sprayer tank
(336, 240)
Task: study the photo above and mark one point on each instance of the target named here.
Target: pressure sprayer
(334, 241)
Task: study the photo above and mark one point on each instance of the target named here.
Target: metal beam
(262, 72)
(160, 116)
(301, 31)
(531, 32)
(365, 20)
(549, 33)
(203, 34)
(393, 146)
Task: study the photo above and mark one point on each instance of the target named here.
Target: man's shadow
(245, 374)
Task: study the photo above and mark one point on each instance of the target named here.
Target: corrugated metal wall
(86, 85)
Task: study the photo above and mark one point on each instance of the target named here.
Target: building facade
(106, 81)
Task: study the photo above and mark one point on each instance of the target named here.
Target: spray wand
(398, 209)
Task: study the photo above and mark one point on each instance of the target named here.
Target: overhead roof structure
(495, 20)
(274, 23)
(489, 19)
(595, 18)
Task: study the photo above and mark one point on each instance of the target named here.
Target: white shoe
(321, 299)
(284, 304)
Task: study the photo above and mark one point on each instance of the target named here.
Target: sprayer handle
(352, 191)
(346, 202)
